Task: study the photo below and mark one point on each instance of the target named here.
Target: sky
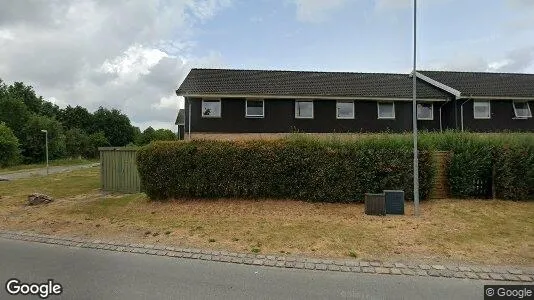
(133, 54)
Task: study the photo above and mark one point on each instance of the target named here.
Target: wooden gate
(118, 170)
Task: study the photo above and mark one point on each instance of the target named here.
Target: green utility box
(394, 202)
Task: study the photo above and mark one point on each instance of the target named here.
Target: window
(481, 110)
(304, 109)
(425, 111)
(522, 110)
(255, 108)
(345, 109)
(211, 108)
(386, 110)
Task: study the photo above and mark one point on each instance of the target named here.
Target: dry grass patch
(480, 231)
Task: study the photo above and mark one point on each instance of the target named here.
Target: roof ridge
(300, 71)
(476, 72)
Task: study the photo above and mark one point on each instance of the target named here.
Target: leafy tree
(136, 135)
(150, 135)
(76, 117)
(146, 137)
(164, 135)
(9, 146)
(76, 142)
(33, 145)
(115, 125)
(96, 140)
(14, 113)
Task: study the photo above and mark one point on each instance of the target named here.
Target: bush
(479, 160)
(76, 142)
(96, 140)
(295, 168)
(33, 145)
(9, 146)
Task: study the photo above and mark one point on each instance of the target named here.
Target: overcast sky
(133, 54)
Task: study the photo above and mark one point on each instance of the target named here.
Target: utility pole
(414, 116)
(46, 145)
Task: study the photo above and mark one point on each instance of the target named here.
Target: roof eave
(325, 97)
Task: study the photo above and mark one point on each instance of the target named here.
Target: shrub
(477, 161)
(9, 146)
(296, 168)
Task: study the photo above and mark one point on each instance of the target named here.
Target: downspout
(189, 119)
(440, 123)
(462, 114)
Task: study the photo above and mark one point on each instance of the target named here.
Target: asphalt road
(99, 274)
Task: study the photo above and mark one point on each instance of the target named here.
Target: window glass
(304, 109)
(211, 108)
(345, 109)
(481, 109)
(425, 111)
(522, 110)
(386, 110)
(254, 108)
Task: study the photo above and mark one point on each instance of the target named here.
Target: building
(221, 102)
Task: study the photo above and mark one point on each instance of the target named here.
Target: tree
(14, 113)
(76, 142)
(76, 117)
(164, 135)
(115, 125)
(146, 137)
(33, 145)
(96, 140)
(9, 146)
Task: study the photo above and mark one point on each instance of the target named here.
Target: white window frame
(489, 110)
(210, 100)
(432, 113)
(337, 110)
(378, 110)
(262, 109)
(528, 108)
(313, 109)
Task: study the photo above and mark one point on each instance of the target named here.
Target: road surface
(99, 274)
(42, 171)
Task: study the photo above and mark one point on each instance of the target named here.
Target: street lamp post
(414, 116)
(46, 145)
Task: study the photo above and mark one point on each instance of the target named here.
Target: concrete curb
(522, 274)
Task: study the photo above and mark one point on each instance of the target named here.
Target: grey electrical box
(375, 204)
(394, 202)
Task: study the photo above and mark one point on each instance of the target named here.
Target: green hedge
(295, 168)
(480, 161)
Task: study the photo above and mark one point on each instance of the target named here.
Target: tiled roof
(180, 118)
(303, 83)
(483, 84)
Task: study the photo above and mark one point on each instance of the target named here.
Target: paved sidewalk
(496, 273)
(42, 171)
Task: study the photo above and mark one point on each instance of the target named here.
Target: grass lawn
(475, 231)
(52, 163)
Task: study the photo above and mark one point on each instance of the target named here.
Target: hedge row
(480, 163)
(295, 168)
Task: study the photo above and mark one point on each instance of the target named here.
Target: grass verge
(474, 231)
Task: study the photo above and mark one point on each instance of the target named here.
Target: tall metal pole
(414, 115)
(46, 145)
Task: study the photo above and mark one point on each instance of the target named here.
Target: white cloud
(127, 54)
(316, 11)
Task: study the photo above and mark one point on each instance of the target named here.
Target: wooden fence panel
(118, 170)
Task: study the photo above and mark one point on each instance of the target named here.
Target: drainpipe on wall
(462, 114)
(189, 119)
(440, 123)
